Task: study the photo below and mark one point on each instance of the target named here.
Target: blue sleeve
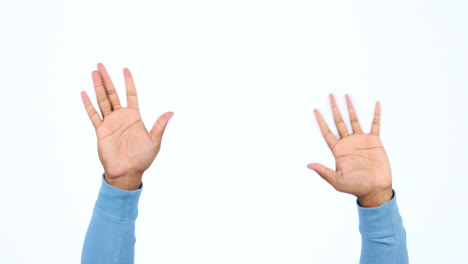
(110, 237)
(383, 234)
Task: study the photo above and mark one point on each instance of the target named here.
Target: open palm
(362, 165)
(126, 149)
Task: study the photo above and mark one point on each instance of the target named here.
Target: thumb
(326, 173)
(159, 126)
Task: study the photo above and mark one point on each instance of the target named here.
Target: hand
(362, 166)
(126, 149)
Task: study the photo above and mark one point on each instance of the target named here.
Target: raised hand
(126, 149)
(362, 166)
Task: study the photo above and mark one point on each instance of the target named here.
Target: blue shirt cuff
(118, 202)
(379, 221)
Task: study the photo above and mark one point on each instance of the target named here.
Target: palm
(126, 149)
(359, 159)
(362, 166)
(124, 143)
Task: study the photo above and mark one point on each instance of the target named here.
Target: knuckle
(111, 91)
(102, 99)
(333, 147)
(339, 121)
(160, 124)
(94, 114)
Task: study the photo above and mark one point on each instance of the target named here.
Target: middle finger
(340, 124)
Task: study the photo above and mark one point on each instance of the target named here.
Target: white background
(230, 184)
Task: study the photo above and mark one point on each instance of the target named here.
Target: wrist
(376, 199)
(127, 182)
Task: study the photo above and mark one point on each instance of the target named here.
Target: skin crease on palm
(126, 148)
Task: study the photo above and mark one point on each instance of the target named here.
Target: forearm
(383, 234)
(110, 237)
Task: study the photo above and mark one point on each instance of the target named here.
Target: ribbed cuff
(118, 202)
(379, 221)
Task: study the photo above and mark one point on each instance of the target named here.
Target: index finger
(330, 138)
(132, 99)
(93, 115)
